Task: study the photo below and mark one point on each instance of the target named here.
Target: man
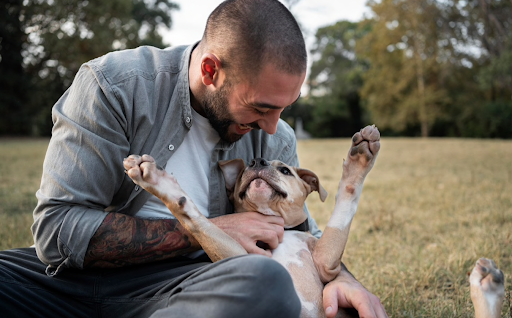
(104, 246)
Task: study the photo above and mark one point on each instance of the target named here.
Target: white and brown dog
(274, 188)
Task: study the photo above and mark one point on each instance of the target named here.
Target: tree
(497, 75)
(491, 27)
(335, 80)
(485, 28)
(60, 35)
(13, 81)
(410, 56)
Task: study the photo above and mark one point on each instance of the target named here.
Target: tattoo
(123, 240)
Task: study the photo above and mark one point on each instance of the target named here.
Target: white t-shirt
(191, 167)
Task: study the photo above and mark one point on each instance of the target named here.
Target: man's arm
(122, 240)
(83, 178)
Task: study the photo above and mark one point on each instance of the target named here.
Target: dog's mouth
(258, 179)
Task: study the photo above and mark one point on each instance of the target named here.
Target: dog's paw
(361, 156)
(145, 173)
(142, 170)
(365, 144)
(487, 288)
(487, 277)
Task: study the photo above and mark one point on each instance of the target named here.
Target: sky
(189, 21)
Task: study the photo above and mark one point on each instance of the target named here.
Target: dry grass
(20, 174)
(429, 210)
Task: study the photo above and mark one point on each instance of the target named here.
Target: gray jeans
(245, 286)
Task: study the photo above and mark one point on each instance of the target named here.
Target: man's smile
(242, 129)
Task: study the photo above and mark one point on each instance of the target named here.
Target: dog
(274, 188)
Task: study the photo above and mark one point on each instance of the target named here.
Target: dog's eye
(285, 171)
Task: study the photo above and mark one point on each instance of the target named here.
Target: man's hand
(346, 292)
(248, 228)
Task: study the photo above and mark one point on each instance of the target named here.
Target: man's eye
(285, 171)
(259, 112)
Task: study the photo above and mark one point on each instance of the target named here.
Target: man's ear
(210, 67)
(312, 180)
(231, 169)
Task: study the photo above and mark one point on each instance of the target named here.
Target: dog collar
(303, 227)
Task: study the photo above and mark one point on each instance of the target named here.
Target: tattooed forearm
(122, 240)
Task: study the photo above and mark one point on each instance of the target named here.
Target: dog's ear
(312, 180)
(231, 169)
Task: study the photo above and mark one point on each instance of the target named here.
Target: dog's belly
(294, 253)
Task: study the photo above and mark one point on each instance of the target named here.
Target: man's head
(252, 61)
(246, 34)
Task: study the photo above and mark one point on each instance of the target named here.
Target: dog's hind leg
(487, 289)
(361, 158)
(215, 242)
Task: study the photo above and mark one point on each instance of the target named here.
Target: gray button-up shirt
(127, 102)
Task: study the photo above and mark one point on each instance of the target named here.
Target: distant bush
(486, 120)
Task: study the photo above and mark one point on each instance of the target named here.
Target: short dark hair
(246, 34)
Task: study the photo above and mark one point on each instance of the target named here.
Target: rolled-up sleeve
(82, 167)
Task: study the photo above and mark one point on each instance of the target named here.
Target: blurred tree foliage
(14, 83)
(333, 106)
(409, 53)
(416, 67)
(335, 80)
(54, 37)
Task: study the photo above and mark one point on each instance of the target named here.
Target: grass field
(21, 163)
(430, 208)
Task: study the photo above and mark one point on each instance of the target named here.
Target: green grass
(430, 208)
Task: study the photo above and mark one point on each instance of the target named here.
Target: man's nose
(269, 122)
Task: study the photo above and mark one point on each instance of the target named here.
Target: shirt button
(137, 188)
(188, 120)
(171, 147)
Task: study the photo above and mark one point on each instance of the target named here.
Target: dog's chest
(294, 249)
(294, 253)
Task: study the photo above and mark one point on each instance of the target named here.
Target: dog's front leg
(215, 242)
(361, 157)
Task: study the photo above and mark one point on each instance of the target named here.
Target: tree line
(44, 42)
(413, 67)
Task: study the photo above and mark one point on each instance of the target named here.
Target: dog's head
(271, 188)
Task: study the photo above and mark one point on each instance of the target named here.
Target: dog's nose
(258, 162)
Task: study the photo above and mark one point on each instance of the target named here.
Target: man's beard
(215, 106)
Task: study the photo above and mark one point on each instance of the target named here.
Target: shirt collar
(183, 86)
